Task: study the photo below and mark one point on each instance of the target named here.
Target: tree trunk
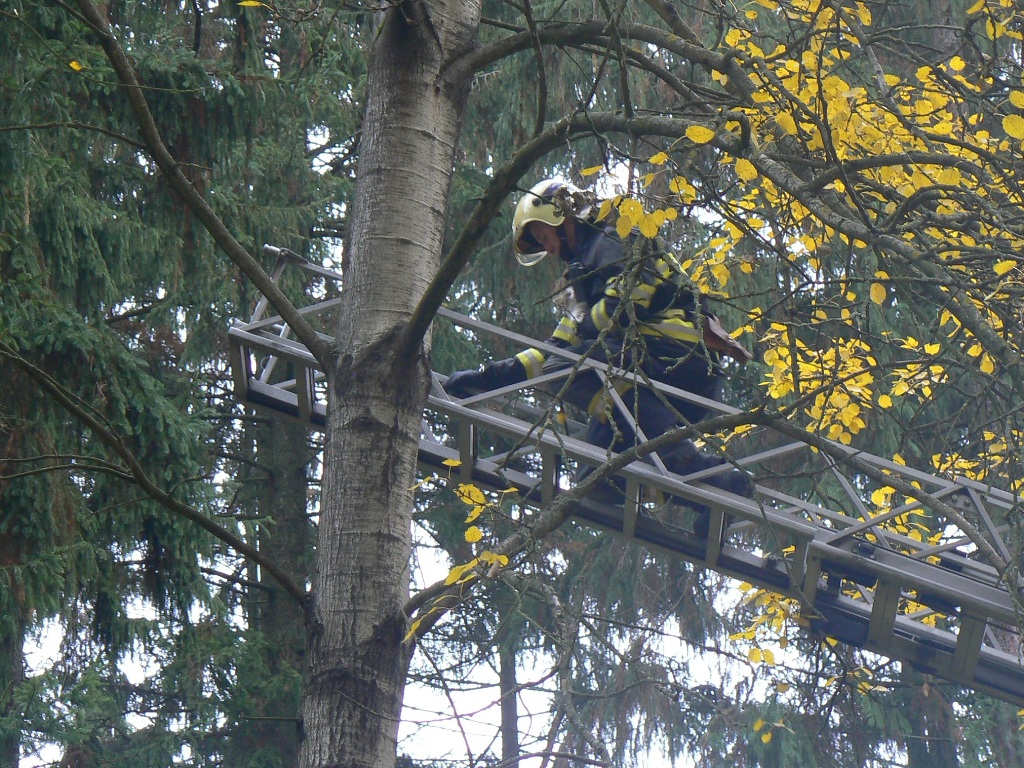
(509, 703)
(357, 662)
(933, 739)
(273, 732)
(12, 665)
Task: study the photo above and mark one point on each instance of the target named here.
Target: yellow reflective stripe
(643, 294)
(599, 315)
(601, 404)
(533, 362)
(566, 331)
(672, 323)
(671, 330)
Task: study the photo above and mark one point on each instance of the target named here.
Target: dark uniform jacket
(605, 272)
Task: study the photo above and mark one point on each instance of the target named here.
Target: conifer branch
(171, 170)
(138, 475)
(74, 124)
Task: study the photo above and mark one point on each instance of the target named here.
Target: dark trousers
(679, 365)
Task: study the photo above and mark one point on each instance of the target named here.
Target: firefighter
(676, 339)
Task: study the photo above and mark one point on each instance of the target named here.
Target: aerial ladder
(935, 603)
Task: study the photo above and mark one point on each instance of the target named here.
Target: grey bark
(357, 662)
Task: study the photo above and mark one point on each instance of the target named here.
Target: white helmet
(548, 202)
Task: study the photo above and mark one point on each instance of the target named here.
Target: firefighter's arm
(527, 364)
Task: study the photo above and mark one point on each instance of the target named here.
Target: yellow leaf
(769, 657)
(976, 7)
(474, 513)
(745, 169)
(659, 159)
(699, 134)
(957, 64)
(623, 226)
(1004, 266)
(721, 273)
(1014, 126)
(423, 482)
(452, 463)
(412, 630)
(782, 687)
(766, 737)
(884, 401)
(632, 208)
(473, 534)
(786, 122)
(1017, 99)
(252, 4)
(470, 494)
(988, 365)
(649, 225)
(456, 573)
(592, 170)
(604, 210)
(491, 558)
(754, 655)
(877, 293)
(76, 65)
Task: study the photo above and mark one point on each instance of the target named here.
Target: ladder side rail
(926, 648)
(858, 504)
(275, 277)
(581, 451)
(927, 579)
(291, 350)
(996, 540)
(869, 522)
(312, 309)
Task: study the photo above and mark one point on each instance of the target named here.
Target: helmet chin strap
(565, 251)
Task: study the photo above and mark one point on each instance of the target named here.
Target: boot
(613, 490)
(683, 459)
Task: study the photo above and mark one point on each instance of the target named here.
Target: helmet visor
(529, 252)
(530, 259)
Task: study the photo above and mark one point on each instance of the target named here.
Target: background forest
(177, 569)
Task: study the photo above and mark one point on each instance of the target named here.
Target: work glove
(494, 375)
(463, 384)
